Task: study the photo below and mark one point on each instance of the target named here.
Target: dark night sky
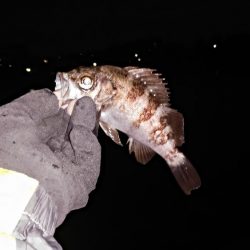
(68, 27)
(135, 207)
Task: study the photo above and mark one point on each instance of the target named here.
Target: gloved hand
(42, 141)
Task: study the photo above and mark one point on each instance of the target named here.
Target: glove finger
(38, 104)
(87, 150)
(84, 143)
(84, 113)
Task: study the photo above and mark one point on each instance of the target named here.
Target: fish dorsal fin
(143, 154)
(111, 132)
(152, 81)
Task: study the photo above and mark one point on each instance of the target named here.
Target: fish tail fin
(183, 171)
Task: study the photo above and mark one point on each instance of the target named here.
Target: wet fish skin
(135, 101)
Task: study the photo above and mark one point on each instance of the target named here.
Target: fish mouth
(60, 90)
(66, 103)
(60, 79)
(59, 76)
(62, 103)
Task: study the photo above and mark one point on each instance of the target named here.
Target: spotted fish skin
(135, 101)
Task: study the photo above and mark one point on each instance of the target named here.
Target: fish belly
(124, 118)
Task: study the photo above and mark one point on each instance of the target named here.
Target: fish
(134, 101)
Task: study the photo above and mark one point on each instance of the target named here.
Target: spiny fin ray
(111, 132)
(152, 81)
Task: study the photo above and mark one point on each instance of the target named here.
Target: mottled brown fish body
(136, 102)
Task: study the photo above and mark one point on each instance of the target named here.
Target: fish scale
(134, 101)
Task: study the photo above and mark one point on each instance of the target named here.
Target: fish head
(83, 81)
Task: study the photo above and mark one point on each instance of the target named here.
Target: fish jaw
(60, 78)
(66, 92)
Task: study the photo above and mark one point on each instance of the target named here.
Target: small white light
(154, 95)
(215, 46)
(94, 64)
(139, 59)
(136, 55)
(151, 90)
(28, 69)
(10, 65)
(45, 60)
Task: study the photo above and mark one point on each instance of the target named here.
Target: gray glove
(61, 152)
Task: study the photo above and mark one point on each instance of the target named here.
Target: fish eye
(86, 83)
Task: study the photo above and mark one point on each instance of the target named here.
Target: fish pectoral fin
(143, 154)
(111, 132)
(95, 131)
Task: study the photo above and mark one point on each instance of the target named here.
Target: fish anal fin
(143, 154)
(111, 132)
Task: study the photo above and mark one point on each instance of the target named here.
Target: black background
(135, 206)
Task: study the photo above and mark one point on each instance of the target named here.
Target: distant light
(215, 46)
(94, 64)
(10, 66)
(155, 44)
(45, 60)
(28, 69)
(136, 55)
(139, 59)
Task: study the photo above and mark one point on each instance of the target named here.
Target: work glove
(57, 153)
